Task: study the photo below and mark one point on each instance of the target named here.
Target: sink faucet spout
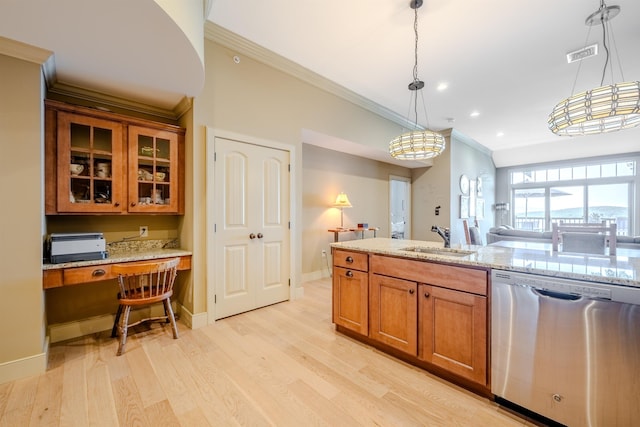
(444, 233)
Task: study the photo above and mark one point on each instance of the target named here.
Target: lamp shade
(417, 145)
(342, 201)
(603, 109)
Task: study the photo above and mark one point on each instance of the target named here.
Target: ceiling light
(421, 143)
(500, 134)
(474, 114)
(442, 86)
(603, 109)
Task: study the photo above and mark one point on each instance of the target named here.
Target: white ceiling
(502, 58)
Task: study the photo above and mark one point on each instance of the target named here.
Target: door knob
(260, 236)
(252, 236)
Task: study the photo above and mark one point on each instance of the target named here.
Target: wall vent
(580, 54)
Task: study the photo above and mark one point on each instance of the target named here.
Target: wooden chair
(589, 238)
(143, 284)
(472, 233)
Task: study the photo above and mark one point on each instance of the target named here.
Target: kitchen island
(431, 306)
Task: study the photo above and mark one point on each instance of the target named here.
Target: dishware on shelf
(144, 175)
(160, 176)
(76, 169)
(103, 170)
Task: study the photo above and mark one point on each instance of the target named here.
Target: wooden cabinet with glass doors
(107, 163)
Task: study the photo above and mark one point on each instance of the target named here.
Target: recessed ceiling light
(474, 114)
(499, 134)
(442, 86)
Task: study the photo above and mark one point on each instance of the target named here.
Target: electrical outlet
(324, 253)
(144, 231)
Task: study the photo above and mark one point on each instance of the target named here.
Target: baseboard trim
(193, 321)
(315, 275)
(26, 366)
(91, 325)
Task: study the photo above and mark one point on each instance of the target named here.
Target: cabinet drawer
(352, 260)
(74, 276)
(447, 276)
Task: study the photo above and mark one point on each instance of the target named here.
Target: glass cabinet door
(153, 168)
(89, 164)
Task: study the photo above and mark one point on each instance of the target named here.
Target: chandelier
(419, 144)
(604, 109)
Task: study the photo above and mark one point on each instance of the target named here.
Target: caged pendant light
(416, 144)
(603, 109)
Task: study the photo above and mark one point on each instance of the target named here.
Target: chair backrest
(592, 238)
(149, 280)
(472, 233)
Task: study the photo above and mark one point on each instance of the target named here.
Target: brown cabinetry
(351, 290)
(105, 163)
(393, 310)
(435, 312)
(452, 331)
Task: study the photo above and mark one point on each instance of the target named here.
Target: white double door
(252, 234)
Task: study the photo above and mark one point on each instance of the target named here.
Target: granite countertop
(623, 269)
(127, 251)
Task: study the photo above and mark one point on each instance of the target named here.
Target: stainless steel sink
(439, 251)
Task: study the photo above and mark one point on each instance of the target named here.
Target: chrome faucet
(444, 234)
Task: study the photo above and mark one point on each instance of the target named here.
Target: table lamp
(342, 201)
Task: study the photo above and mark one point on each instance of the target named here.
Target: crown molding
(228, 39)
(115, 103)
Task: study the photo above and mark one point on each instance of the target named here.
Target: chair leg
(172, 319)
(114, 331)
(122, 329)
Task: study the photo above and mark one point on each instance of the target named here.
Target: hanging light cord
(415, 64)
(606, 48)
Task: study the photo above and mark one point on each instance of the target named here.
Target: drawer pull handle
(99, 272)
(349, 273)
(411, 291)
(349, 260)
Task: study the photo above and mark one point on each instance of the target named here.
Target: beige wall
(21, 234)
(325, 174)
(258, 101)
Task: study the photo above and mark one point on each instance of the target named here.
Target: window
(589, 192)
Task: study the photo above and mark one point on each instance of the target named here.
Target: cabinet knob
(260, 235)
(116, 204)
(99, 272)
(349, 260)
(426, 294)
(252, 236)
(132, 204)
(349, 273)
(411, 291)
(557, 397)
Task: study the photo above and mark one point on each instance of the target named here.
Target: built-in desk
(75, 273)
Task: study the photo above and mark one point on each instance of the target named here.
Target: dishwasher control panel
(602, 291)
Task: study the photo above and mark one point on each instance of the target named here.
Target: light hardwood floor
(282, 365)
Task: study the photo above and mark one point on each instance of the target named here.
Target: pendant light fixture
(419, 144)
(603, 109)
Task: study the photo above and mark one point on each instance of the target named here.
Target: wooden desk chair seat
(589, 238)
(144, 284)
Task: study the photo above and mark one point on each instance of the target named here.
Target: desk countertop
(122, 256)
(623, 269)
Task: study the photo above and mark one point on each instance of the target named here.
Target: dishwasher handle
(556, 295)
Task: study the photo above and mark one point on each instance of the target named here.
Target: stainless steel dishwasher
(565, 349)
